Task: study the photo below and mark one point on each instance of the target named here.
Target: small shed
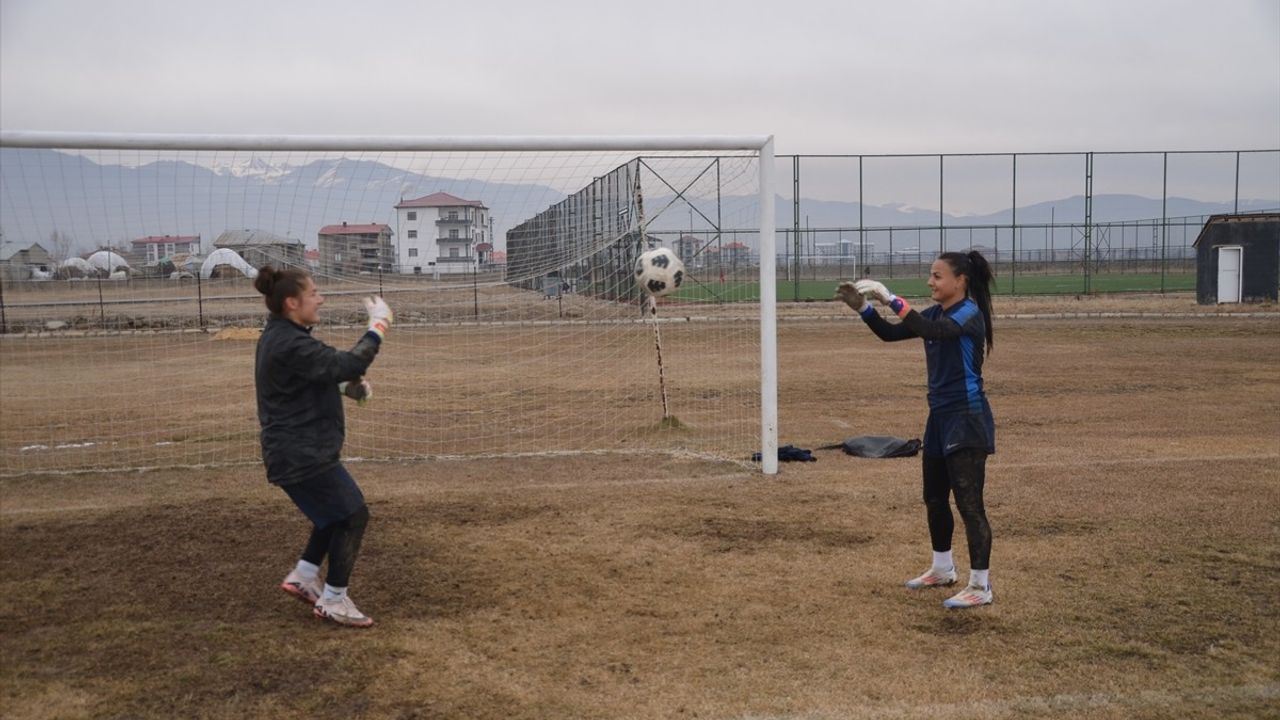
(1238, 259)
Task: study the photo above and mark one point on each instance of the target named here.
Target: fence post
(1088, 218)
(102, 310)
(1013, 230)
(1164, 220)
(795, 226)
(200, 301)
(4, 324)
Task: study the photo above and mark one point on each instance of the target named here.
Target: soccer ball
(659, 272)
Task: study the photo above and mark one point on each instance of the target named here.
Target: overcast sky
(823, 77)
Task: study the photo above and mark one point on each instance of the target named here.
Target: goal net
(128, 317)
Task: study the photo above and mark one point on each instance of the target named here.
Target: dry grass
(1134, 500)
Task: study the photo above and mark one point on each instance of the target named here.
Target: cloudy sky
(824, 77)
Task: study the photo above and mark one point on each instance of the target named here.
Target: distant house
(440, 233)
(686, 248)
(259, 247)
(348, 249)
(151, 249)
(731, 256)
(312, 256)
(18, 260)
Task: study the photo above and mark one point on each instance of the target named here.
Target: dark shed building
(1238, 259)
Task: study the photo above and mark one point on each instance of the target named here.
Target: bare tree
(61, 246)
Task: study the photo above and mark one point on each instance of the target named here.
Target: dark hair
(976, 268)
(277, 285)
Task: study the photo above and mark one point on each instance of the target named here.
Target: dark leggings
(962, 472)
(341, 542)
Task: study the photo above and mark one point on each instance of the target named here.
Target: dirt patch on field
(235, 333)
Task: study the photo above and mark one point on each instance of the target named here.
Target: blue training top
(954, 344)
(955, 366)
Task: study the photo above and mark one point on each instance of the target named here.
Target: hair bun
(266, 280)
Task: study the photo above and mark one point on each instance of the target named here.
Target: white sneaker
(971, 596)
(933, 577)
(306, 590)
(342, 611)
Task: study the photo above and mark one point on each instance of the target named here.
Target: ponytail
(980, 281)
(277, 285)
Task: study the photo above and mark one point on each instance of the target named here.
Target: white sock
(307, 570)
(333, 593)
(979, 578)
(942, 560)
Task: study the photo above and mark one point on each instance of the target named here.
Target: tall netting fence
(1050, 223)
(129, 318)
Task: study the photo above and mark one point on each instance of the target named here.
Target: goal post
(129, 313)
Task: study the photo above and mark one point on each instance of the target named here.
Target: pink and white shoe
(306, 590)
(342, 611)
(933, 577)
(971, 596)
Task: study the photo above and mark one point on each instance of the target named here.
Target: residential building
(349, 249)
(688, 249)
(440, 234)
(259, 247)
(151, 249)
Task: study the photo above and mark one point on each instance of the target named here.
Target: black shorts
(328, 497)
(945, 433)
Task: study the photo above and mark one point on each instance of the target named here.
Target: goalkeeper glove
(379, 316)
(360, 391)
(849, 294)
(875, 290)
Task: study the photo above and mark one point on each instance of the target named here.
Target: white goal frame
(762, 144)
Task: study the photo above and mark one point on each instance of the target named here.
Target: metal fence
(1092, 221)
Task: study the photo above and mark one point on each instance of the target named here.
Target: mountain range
(99, 204)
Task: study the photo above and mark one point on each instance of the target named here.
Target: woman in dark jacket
(300, 383)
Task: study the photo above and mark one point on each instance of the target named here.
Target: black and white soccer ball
(659, 272)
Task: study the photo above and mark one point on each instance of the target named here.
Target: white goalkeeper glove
(361, 392)
(875, 290)
(379, 315)
(849, 294)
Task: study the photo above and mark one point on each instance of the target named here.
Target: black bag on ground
(880, 446)
(790, 453)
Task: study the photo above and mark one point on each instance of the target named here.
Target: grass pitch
(1136, 563)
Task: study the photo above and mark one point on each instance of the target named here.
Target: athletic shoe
(933, 577)
(971, 596)
(306, 590)
(342, 611)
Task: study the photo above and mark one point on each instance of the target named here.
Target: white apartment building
(439, 233)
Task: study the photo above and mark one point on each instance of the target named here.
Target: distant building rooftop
(347, 229)
(440, 199)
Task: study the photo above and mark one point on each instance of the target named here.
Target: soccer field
(1136, 560)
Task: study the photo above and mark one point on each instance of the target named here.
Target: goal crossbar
(392, 143)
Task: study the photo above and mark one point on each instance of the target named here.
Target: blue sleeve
(929, 328)
(883, 329)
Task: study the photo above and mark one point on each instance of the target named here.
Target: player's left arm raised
(941, 329)
(849, 293)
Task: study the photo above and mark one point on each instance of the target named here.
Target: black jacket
(299, 406)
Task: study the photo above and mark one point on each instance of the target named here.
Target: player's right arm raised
(318, 362)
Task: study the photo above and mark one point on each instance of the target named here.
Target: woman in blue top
(960, 432)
